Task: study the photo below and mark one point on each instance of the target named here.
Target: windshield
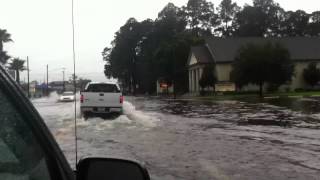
(193, 89)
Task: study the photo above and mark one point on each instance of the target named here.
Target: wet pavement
(199, 140)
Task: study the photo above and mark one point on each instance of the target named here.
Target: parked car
(101, 98)
(67, 96)
(29, 151)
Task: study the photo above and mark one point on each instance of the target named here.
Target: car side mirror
(110, 169)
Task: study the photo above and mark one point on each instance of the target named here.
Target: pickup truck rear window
(107, 88)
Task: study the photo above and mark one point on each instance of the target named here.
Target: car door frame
(57, 163)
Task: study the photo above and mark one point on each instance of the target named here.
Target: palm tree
(17, 65)
(4, 37)
(4, 57)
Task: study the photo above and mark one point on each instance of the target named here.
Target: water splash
(140, 117)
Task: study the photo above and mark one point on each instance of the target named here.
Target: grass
(254, 95)
(304, 94)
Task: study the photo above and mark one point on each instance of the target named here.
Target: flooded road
(199, 140)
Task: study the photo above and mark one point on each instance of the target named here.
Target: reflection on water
(285, 112)
(305, 105)
(175, 137)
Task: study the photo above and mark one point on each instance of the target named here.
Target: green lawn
(307, 93)
(239, 96)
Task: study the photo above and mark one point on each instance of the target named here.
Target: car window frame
(57, 163)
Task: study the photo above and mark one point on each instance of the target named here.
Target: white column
(193, 81)
(200, 74)
(197, 80)
(190, 81)
(191, 84)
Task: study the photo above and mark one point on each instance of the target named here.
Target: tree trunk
(18, 76)
(130, 85)
(226, 29)
(1, 46)
(174, 91)
(261, 89)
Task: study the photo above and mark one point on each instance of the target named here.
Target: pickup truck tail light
(81, 98)
(121, 99)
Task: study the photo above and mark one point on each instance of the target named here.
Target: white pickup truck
(101, 98)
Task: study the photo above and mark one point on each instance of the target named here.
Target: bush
(312, 74)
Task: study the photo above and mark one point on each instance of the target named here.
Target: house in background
(222, 52)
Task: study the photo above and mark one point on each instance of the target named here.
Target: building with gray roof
(223, 51)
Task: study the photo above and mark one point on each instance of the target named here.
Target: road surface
(195, 140)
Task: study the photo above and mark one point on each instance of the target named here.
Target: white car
(67, 96)
(101, 98)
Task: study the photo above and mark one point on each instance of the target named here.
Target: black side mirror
(110, 169)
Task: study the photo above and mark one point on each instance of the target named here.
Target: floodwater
(199, 140)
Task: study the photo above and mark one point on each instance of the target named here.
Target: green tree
(262, 63)
(208, 78)
(135, 55)
(122, 59)
(227, 11)
(4, 57)
(200, 16)
(314, 24)
(295, 24)
(17, 65)
(311, 74)
(106, 57)
(262, 19)
(171, 58)
(4, 38)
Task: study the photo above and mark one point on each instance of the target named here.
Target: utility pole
(63, 85)
(47, 80)
(28, 69)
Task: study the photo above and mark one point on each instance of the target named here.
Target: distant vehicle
(67, 96)
(101, 98)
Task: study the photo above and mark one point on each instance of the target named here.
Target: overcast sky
(41, 29)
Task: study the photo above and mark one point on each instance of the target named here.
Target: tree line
(15, 64)
(144, 52)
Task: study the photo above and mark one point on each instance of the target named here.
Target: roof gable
(193, 60)
(200, 55)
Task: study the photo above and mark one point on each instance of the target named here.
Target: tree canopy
(262, 63)
(17, 65)
(311, 74)
(200, 16)
(4, 38)
(208, 78)
(227, 12)
(144, 51)
(4, 57)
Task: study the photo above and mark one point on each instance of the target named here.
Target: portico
(199, 57)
